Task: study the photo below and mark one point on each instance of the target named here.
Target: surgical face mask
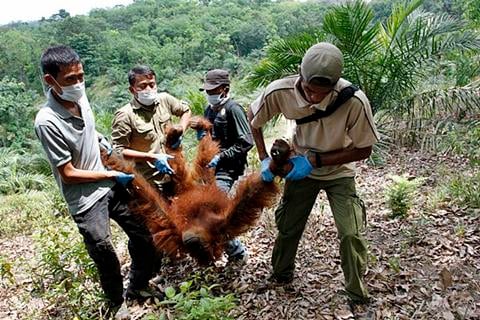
(214, 99)
(72, 93)
(147, 97)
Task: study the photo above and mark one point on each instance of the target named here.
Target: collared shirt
(351, 126)
(142, 128)
(68, 138)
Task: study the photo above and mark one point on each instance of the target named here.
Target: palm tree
(388, 61)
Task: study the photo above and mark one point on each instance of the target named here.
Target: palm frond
(283, 58)
(355, 34)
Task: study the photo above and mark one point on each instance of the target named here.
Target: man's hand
(161, 163)
(104, 144)
(301, 168)
(214, 162)
(200, 134)
(124, 178)
(267, 175)
(177, 144)
(194, 122)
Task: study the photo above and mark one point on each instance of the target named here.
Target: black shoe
(273, 283)
(345, 307)
(141, 295)
(117, 310)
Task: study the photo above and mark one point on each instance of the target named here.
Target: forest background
(418, 61)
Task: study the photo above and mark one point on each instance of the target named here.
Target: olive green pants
(349, 214)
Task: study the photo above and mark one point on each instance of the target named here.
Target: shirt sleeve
(121, 130)
(243, 136)
(361, 127)
(53, 142)
(263, 109)
(177, 107)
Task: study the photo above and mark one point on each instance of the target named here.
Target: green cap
(323, 60)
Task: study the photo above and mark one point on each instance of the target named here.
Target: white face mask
(72, 93)
(214, 99)
(147, 97)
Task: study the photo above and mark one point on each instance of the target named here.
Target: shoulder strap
(343, 96)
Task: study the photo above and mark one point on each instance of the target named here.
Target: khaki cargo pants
(349, 214)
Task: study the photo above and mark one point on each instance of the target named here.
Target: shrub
(465, 190)
(63, 274)
(198, 304)
(400, 194)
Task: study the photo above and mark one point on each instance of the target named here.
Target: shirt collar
(58, 108)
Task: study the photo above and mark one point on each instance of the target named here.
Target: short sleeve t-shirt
(351, 126)
(68, 138)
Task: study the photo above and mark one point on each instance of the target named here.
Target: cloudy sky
(29, 10)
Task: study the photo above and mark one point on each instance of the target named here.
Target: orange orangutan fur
(199, 208)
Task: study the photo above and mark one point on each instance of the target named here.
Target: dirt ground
(426, 266)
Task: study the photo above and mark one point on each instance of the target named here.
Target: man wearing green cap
(332, 128)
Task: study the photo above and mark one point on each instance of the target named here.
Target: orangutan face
(201, 237)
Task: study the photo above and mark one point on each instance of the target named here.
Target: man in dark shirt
(231, 130)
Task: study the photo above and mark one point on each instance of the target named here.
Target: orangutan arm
(339, 156)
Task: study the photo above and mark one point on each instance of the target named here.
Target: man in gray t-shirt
(66, 129)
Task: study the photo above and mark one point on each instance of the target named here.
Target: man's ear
(49, 80)
(130, 88)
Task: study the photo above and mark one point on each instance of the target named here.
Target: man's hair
(56, 57)
(139, 71)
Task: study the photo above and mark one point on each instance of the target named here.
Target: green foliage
(400, 195)
(465, 190)
(19, 211)
(6, 271)
(197, 101)
(22, 172)
(16, 114)
(394, 264)
(463, 139)
(198, 304)
(64, 275)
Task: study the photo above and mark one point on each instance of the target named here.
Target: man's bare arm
(258, 137)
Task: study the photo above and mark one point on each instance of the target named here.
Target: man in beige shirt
(139, 126)
(332, 129)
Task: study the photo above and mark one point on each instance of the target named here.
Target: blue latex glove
(267, 175)
(301, 168)
(178, 143)
(214, 162)
(124, 178)
(106, 145)
(200, 134)
(161, 164)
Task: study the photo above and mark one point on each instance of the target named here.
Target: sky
(31, 10)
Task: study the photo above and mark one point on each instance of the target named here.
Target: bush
(400, 194)
(64, 275)
(198, 304)
(465, 190)
(16, 113)
(19, 212)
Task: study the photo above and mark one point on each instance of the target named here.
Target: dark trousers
(234, 248)
(94, 225)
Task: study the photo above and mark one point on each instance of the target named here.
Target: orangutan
(200, 218)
